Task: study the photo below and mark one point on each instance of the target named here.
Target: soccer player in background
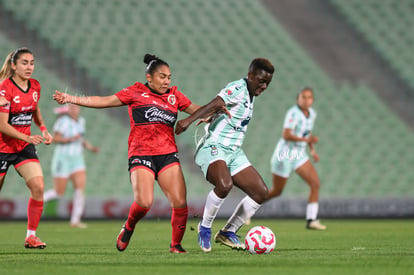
(152, 150)
(17, 144)
(68, 161)
(290, 154)
(221, 158)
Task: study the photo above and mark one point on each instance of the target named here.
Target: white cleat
(316, 225)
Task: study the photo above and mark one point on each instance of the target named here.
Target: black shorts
(28, 154)
(156, 164)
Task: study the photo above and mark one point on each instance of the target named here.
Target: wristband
(43, 128)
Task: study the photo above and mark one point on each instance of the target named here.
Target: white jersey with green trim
(68, 128)
(301, 126)
(227, 131)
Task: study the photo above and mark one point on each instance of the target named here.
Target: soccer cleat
(34, 242)
(315, 224)
(177, 249)
(204, 236)
(79, 225)
(229, 239)
(123, 238)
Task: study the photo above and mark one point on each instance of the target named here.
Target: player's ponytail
(6, 70)
(153, 62)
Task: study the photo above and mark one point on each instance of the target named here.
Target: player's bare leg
(278, 185)
(308, 173)
(79, 181)
(142, 182)
(253, 185)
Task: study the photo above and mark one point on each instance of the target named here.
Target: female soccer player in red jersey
(152, 151)
(17, 144)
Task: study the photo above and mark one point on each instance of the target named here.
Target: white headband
(149, 64)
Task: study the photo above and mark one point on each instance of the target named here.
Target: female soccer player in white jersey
(17, 144)
(290, 154)
(221, 158)
(68, 162)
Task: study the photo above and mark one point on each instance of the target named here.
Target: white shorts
(283, 163)
(63, 165)
(206, 154)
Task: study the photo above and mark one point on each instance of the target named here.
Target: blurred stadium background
(357, 55)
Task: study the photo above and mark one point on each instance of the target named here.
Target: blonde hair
(6, 70)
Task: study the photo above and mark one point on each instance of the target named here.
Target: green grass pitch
(347, 247)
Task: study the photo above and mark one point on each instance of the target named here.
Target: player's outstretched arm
(88, 101)
(204, 111)
(87, 145)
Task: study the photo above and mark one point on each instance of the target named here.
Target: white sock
(30, 232)
(50, 195)
(244, 211)
(78, 206)
(312, 211)
(213, 204)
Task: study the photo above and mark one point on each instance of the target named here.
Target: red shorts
(155, 164)
(28, 154)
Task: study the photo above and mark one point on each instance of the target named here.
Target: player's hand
(225, 110)
(182, 125)
(35, 140)
(3, 101)
(313, 139)
(60, 97)
(47, 137)
(315, 156)
(204, 120)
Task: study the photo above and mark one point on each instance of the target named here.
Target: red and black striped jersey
(21, 108)
(152, 119)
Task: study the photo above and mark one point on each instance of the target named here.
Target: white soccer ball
(260, 240)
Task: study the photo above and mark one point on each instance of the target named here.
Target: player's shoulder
(294, 110)
(235, 87)
(177, 93)
(139, 85)
(173, 90)
(136, 87)
(34, 83)
(63, 118)
(7, 87)
(61, 121)
(5, 84)
(237, 84)
(312, 112)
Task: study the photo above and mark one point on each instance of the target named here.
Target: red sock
(136, 213)
(34, 212)
(178, 223)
